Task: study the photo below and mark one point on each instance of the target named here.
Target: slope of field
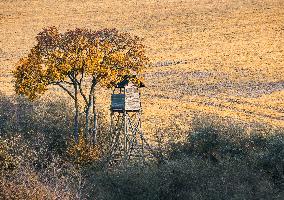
(224, 57)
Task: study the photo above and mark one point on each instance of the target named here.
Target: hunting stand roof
(127, 79)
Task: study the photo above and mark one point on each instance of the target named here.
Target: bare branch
(72, 78)
(67, 82)
(94, 83)
(82, 93)
(82, 76)
(80, 87)
(79, 83)
(65, 89)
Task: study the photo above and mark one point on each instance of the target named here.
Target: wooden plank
(117, 101)
(132, 101)
(132, 98)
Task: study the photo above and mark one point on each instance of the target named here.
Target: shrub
(83, 152)
(24, 183)
(27, 172)
(271, 158)
(50, 120)
(218, 160)
(187, 178)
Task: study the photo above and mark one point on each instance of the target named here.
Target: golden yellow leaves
(30, 79)
(105, 56)
(82, 152)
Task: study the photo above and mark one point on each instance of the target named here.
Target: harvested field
(223, 57)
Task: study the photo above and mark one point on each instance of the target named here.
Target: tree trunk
(94, 120)
(76, 117)
(88, 106)
(87, 116)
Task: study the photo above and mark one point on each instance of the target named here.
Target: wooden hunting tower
(126, 97)
(127, 137)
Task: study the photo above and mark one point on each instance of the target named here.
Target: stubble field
(221, 57)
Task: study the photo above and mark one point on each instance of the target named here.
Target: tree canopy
(67, 58)
(77, 61)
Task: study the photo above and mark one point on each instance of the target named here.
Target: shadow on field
(218, 160)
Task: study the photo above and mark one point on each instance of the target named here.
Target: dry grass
(232, 52)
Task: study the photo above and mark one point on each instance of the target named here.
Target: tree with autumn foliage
(78, 61)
